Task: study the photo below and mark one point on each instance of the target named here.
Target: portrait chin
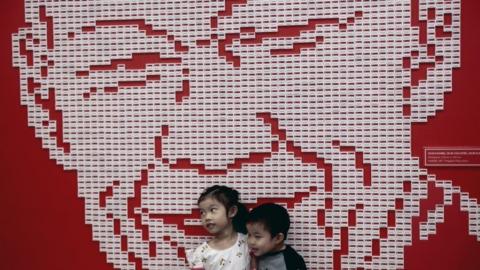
(309, 105)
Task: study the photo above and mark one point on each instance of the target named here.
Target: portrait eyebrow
(137, 52)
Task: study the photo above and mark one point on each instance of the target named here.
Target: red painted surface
(42, 224)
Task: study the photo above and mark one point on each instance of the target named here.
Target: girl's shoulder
(196, 256)
(235, 257)
(242, 239)
(242, 235)
(202, 248)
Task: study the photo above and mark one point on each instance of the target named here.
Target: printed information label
(452, 156)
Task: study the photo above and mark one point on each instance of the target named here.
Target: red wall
(42, 220)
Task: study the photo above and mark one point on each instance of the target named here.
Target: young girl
(223, 216)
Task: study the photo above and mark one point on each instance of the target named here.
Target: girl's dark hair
(228, 197)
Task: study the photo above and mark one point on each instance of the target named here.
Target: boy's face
(260, 241)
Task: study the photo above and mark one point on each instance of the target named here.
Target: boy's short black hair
(274, 218)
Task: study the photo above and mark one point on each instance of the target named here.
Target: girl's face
(214, 216)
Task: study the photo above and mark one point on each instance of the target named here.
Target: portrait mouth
(282, 142)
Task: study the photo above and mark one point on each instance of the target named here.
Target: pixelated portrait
(361, 118)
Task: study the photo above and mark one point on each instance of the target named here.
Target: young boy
(267, 227)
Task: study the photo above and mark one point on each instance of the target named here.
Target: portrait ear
(442, 70)
(232, 212)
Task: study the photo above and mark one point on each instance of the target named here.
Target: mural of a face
(301, 103)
